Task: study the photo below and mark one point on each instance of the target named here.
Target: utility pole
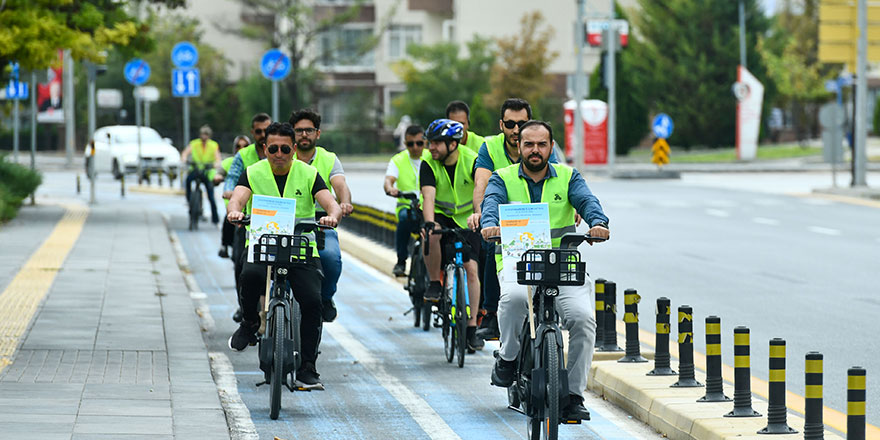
(578, 124)
(68, 102)
(33, 126)
(612, 42)
(861, 110)
(742, 34)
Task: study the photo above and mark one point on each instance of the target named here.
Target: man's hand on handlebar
(328, 221)
(473, 221)
(491, 231)
(347, 208)
(235, 216)
(393, 193)
(599, 232)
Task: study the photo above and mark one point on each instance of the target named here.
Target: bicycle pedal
(265, 382)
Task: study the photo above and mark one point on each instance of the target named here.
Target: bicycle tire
(461, 315)
(295, 330)
(446, 316)
(194, 208)
(277, 376)
(426, 316)
(550, 422)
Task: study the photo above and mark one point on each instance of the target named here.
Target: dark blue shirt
(579, 195)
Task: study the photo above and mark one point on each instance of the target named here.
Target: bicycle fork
(459, 264)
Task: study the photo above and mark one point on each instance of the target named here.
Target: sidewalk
(115, 349)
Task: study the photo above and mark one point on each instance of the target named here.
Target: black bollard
(600, 312)
(776, 412)
(714, 382)
(814, 427)
(686, 377)
(855, 403)
(631, 300)
(610, 336)
(742, 376)
(122, 185)
(661, 338)
(78, 189)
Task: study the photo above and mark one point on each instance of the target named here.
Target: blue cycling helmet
(444, 130)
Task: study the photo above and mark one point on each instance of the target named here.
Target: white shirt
(395, 173)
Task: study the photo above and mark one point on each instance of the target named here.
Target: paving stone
(123, 425)
(123, 407)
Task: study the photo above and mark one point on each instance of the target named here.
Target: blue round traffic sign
(137, 72)
(662, 126)
(275, 65)
(184, 55)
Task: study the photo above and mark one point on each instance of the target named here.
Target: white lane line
(825, 231)
(418, 408)
(765, 221)
(717, 213)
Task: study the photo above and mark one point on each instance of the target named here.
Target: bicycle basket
(282, 250)
(551, 267)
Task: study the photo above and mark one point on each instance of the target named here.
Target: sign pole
(274, 100)
(742, 34)
(613, 40)
(137, 119)
(33, 126)
(93, 72)
(578, 147)
(185, 122)
(15, 124)
(146, 113)
(68, 103)
(861, 110)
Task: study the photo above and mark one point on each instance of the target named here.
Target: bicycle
(417, 279)
(453, 310)
(540, 379)
(280, 346)
(195, 195)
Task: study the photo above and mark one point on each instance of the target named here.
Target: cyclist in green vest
(403, 172)
(459, 111)
(282, 176)
(447, 187)
(205, 152)
(228, 233)
(535, 180)
(307, 126)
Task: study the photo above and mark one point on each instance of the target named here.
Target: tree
(687, 65)
(436, 74)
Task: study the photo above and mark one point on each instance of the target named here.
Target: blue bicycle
(453, 310)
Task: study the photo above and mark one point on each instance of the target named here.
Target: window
(347, 46)
(400, 36)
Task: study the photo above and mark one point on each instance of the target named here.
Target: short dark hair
(516, 104)
(413, 130)
(305, 113)
(458, 106)
(536, 123)
(280, 129)
(260, 117)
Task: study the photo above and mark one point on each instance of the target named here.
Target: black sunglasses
(258, 131)
(411, 143)
(274, 149)
(510, 124)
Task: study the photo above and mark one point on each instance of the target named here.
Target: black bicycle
(280, 346)
(453, 310)
(417, 279)
(195, 195)
(541, 380)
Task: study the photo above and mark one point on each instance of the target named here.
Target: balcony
(431, 6)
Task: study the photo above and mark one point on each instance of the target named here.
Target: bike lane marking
(21, 298)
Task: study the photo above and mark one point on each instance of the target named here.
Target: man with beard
(245, 157)
(497, 152)
(534, 180)
(307, 128)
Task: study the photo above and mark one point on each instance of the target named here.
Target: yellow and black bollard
(600, 312)
(814, 427)
(742, 376)
(776, 412)
(631, 300)
(855, 404)
(714, 382)
(686, 377)
(661, 338)
(610, 333)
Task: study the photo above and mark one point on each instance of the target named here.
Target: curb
(161, 190)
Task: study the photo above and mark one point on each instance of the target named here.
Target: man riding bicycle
(282, 176)
(535, 180)
(403, 172)
(447, 187)
(205, 154)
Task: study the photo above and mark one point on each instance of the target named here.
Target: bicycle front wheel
(445, 307)
(461, 315)
(195, 208)
(277, 377)
(550, 422)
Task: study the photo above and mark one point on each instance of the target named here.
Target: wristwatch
(602, 224)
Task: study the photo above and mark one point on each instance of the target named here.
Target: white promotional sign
(750, 94)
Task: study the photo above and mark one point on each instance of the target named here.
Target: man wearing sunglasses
(245, 157)
(283, 176)
(459, 111)
(307, 128)
(403, 170)
(497, 152)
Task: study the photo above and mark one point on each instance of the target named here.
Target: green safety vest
(323, 161)
(203, 155)
(226, 164)
(555, 195)
(249, 155)
(456, 202)
(300, 180)
(495, 145)
(474, 142)
(407, 178)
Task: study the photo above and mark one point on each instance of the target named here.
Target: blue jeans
(331, 260)
(406, 225)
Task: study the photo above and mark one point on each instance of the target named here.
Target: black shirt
(282, 180)
(427, 178)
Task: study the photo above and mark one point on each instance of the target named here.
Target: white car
(116, 151)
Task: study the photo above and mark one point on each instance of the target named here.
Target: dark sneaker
(489, 328)
(432, 294)
(502, 374)
(575, 410)
(243, 337)
(329, 313)
(307, 377)
(399, 270)
(237, 315)
(473, 342)
(223, 252)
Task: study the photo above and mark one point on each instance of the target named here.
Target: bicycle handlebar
(411, 196)
(572, 240)
(300, 228)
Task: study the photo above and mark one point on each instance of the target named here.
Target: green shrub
(16, 183)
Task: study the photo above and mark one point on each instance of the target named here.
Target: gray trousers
(574, 305)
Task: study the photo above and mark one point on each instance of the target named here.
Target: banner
(595, 126)
(524, 226)
(50, 94)
(750, 94)
(270, 215)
